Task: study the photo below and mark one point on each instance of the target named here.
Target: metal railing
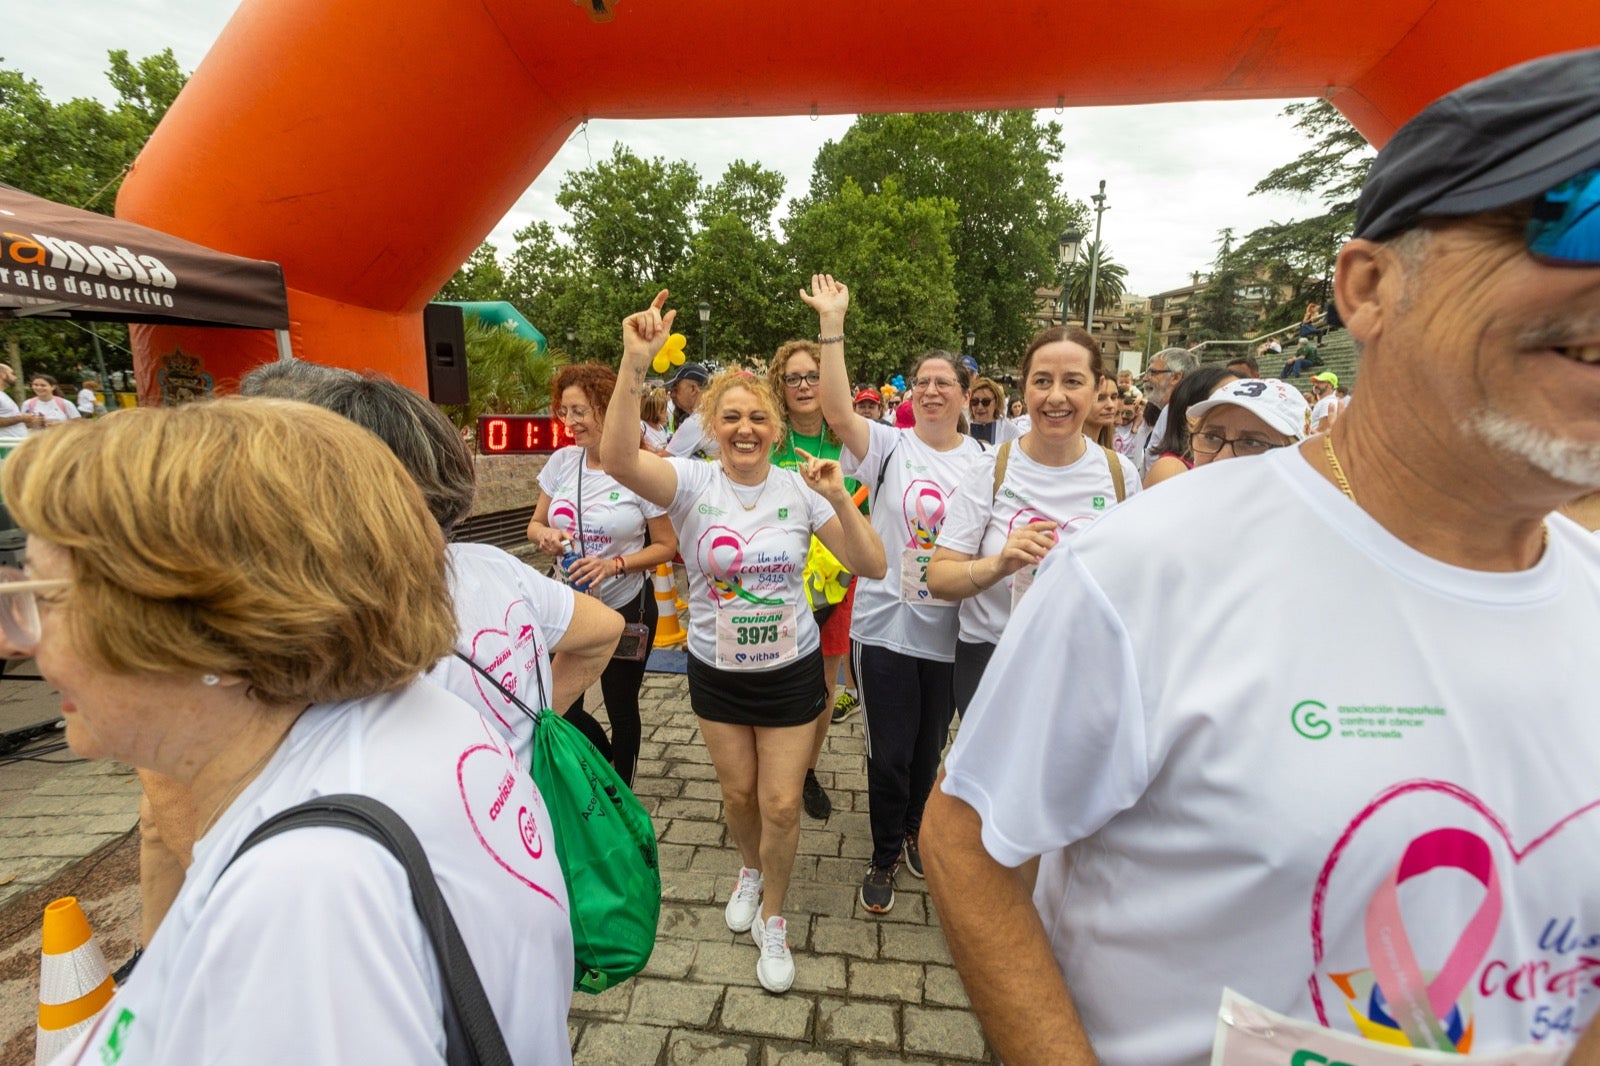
(1320, 321)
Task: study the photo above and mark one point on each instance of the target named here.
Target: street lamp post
(572, 339)
(1099, 199)
(705, 322)
(1069, 241)
(972, 340)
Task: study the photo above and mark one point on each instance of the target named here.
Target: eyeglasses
(982, 401)
(572, 414)
(794, 381)
(1565, 227)
(1210, 442)
(19, 609)
(942, 384)
(1153, 371)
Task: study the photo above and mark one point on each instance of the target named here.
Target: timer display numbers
(521, 435)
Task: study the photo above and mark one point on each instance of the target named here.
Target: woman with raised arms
(755, 658)
(903, 640)
(1024, 497)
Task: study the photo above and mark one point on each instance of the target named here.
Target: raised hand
(644, 332)
(827, 297)
(822, 475)
(1027, 546)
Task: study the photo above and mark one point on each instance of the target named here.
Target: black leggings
(907, 703)
(971, 661)
(620, 687)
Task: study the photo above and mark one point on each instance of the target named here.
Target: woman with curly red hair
(585, 512)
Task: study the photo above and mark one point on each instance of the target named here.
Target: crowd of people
(1147, 808)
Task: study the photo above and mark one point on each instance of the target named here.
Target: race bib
(1249, 1034)
(755, 638)
(1021, 582)
(914, 578)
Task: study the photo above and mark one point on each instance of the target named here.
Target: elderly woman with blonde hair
(219, 603)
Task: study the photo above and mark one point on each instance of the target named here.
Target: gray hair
(421, 437)
(290, 379)
(1178, 360)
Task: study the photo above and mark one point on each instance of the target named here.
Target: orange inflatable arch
(369, 145)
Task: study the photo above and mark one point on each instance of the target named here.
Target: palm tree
(1110, 281)
(506, 374)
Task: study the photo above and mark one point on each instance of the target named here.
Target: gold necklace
(734, 487)
(1344, 486)
(238, 786)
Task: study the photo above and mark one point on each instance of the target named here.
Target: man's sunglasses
(1565, 227)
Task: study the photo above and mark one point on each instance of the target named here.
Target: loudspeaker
(444, 334)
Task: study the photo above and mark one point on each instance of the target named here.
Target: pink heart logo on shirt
(508, 816)
(1480, 965)
(596, 517)
(721, 551)
(509, 654)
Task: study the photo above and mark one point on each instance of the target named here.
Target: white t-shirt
(614, 518)
(757, 554)
(309, 950)
(1152, 443)
(691, 439)
(508, 617)
(981, 519)
(9, 409)
(1328, 406)
(654, 438)
(86, 402)
(1022, 423)
(55, 409)
(1229, 814)
(1122, 438)
(907, 512)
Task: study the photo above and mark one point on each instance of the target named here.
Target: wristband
(831, 340)
(973, 577)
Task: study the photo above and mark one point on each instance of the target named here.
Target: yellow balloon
(671, 353)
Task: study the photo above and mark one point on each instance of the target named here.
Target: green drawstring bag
(605, 843)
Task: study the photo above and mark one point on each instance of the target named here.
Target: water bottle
(566, 570)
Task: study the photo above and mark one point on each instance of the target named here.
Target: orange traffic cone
(74, 981)
(669, 631)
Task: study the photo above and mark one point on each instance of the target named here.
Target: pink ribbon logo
(1416, 1004)
(723, 560)
(923, 509)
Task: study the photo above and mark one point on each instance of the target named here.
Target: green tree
(1110, 282)
(994, 166)
(77, 153)
(480, 278)
(629, 235)
(506, 374)
(1219, 314)
(1299, 254)
(895, 253)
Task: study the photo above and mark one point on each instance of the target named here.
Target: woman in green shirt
(795, 376)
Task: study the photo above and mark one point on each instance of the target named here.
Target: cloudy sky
(1175, 174)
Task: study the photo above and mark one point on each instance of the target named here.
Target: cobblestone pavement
(868, 988)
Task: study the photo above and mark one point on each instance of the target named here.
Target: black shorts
(789, 695)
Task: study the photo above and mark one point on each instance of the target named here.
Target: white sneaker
(775, 970)
(745, 903)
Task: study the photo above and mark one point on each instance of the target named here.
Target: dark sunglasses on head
(1565, 227)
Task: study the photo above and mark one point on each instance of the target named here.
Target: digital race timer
(520, 434)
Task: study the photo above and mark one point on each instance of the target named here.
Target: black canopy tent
(64, 262)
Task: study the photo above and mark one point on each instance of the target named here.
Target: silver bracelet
(831, 340)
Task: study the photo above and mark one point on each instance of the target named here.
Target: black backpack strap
(472, 1036)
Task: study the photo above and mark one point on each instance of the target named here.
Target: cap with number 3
(1278, 405)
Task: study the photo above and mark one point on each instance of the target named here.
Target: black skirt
(791, 695)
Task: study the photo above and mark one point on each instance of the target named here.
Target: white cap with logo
(1278, 405)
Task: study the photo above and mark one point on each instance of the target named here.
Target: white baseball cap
(1278, 405)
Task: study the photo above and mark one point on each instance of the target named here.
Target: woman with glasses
(1172, 455)
(755, 656)
(195, 629)
(1247, 417)
(794, 377)
(903, 640)
(1026, 497)
(989, 423)
(597, 527)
